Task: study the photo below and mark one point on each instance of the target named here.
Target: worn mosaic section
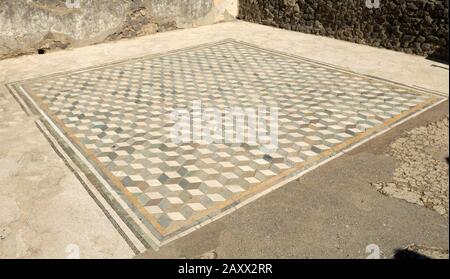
(119, 118)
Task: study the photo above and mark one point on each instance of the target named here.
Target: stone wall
(29, 26)
(413, 26)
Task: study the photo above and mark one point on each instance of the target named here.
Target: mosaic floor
(114, 121)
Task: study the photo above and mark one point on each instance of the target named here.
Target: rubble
(422, 175)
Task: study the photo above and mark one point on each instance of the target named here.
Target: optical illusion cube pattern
(118, 116)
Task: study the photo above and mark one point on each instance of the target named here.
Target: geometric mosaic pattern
(118, 116)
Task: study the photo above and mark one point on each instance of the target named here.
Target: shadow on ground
(439, 55)
(408, 254)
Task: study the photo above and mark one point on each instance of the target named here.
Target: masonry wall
(413, 26)
(27, 26)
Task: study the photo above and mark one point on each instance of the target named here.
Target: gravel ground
(422, 175)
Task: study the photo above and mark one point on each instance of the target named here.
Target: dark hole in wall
(41, 51)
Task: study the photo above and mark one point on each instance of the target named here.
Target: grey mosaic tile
(119, 117)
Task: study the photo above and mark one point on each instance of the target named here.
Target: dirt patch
(422, 175)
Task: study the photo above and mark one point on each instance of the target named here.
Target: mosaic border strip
(134, 221)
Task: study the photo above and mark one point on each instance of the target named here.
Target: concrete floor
(331, 212)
